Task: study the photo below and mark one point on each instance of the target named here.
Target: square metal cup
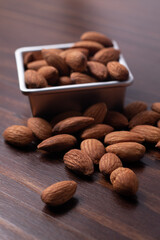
(52, 100)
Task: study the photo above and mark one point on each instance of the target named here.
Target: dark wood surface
(96, 212)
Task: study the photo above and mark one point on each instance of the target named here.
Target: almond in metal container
(98, 70)
(50, 74)
(97, 37)
(90, 45)
(156, 107)
(117, 71)
(34, 79)
(106, 55)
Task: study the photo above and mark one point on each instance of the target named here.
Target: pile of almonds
(98, 136)
(92, 59)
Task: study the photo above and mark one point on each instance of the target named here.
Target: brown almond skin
(127, 151)
(108, 163)
(97, 37)
(40, 127)
(90, 45)
(97, 111)
(93, 148)
(61, 116)
(97, 131)
(34, 79)
(80, 78)
(116, 120)
(35, 65)
(117, 71)
(56, 61)
(58, 143)
(18, 135)
(78, 161)
(52, 50)
(158, 124)
(82, 50)
(156, 107)
(134, 108)
(158, 144)
(123, 136)
(98, 70)
(64, 80)
(151, 134)
(124, 181)
(28, 57)
(77, 61)
(145, 117)
(106, 55)
(50, 74)
(59, 193)
(72, 124)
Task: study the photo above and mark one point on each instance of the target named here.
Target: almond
(50, 74)
(108, 163)
(156, 107)
(77, 61)
(58, 143)
(28, 57)
(98, 70)
(158, 144)
(82, 50)
(52, 50)
(18, 135)
(124, 181)
(34, 79)
(90, 45)
(78, 161)
(40, 127)
(97, 111)
(64, 115)
(59, 193)
(35, 65)
(93, 148)
(97, 37)
(64, 80)
(134, 108)
(117, 71)
(116, 120)
(158, 124)
(106, 55)
(127, 151)
(79, 78)
(72, 124)
(150, 133)
(145, 117)
(56, 61)
(123, 136)
(96, 131)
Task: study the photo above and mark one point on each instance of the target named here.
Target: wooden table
(96, 212)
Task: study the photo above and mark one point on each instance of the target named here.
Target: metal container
(52, 100)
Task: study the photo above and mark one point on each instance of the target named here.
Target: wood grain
(96, 212)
